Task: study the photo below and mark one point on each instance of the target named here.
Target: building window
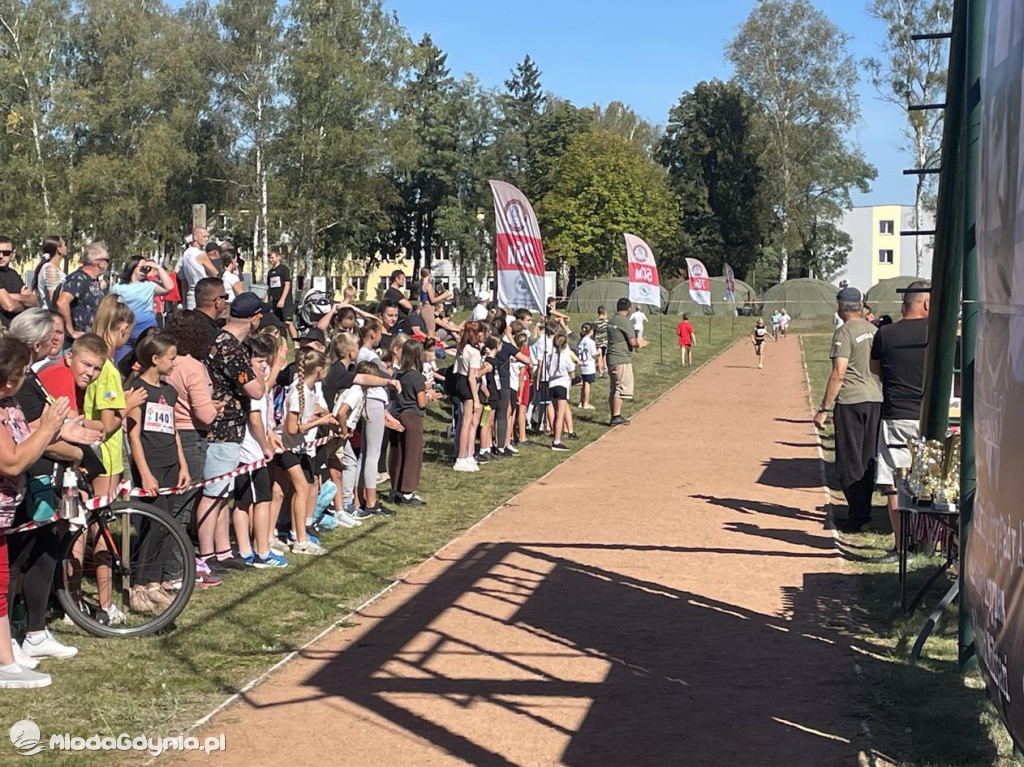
(886, 227)
(382, 286)
(359, 283)
(885, 256)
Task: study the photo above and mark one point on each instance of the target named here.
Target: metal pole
(969, 329)
(947, 264)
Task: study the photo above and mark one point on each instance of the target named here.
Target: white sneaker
(48, 647)
(21, 658)
(346, 520)
(277, 545)
(462, 464)
(308, 547)
(114, 616)
(24, 679)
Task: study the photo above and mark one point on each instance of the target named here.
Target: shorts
(588, 377)
(559, 393)
(463, 391)
(621, 380)
(525, 395)
(286, 314)
(288, 459)
(543, 393)
(221, 458)
(253, 487)
(602, 351)
(894, 438)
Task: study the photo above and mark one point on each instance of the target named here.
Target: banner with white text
(700, 283)
(644, 287)
(730, 285)
(519, 249)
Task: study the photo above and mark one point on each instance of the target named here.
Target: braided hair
(307, 362)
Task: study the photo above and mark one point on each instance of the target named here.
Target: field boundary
(263, 677)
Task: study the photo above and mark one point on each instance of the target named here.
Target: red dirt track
(667, 596)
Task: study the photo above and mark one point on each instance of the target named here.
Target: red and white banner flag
(644, 287)
(730, 284)
(700, 283)
(520, 250)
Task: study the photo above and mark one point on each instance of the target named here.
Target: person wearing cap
(855, 392)
(483, 298)
(235, 383)
(213, 253)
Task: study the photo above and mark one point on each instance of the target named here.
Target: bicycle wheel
(124, 549)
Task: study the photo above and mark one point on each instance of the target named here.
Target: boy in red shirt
(687, 338)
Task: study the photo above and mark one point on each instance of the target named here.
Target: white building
(879, 248)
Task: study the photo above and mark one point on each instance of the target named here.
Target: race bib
(159, 418)
(275, 282)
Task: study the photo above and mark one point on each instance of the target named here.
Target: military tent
(802, 297)
(884, 298)
(679, 301)
(590, 295)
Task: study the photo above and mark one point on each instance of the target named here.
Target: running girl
(758, 337)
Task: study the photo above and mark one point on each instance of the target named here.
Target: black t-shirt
(276, 280)
(10, 281)
(394, 294)
(412, 321)
(900, 349)
(501, 361)
(385, 340)
(32, 398)
(412, 383)
(157, 435)
(338, 379)
(213, 328)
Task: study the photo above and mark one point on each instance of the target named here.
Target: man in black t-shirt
(279, 291)
(897, 357)
(396, 294)
(14, 296)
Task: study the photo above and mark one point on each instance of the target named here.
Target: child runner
(467, 369)
(687, 338)
(639, 319)
(783, 322)
(776, 319)
(586, 350)
(524, 387)
(758, 337)
(373, 424)
(560, 367)
(601, 339)
(305, 411)
(158, 461)
(488, 394)
(253, 493)
(407, 446)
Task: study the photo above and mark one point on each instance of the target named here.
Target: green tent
(590, 295)
(884, 299)
(802, 297)
(679, 301)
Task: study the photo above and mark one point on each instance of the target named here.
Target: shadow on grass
(516, 633)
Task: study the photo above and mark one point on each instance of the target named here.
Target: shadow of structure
(540, 653)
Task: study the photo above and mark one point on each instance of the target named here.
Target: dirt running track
(668, 596)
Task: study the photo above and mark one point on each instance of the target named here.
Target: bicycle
(122, 542)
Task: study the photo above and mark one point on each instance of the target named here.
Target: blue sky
(645, 53)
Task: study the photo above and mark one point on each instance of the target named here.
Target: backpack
(315, 305)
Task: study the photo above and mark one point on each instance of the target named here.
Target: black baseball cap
(313, 334)
(246, 306)
(212, 247)
(849, 296)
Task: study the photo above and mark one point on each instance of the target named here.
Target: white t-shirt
(314, 397)
(378, 393)
(587, 352)
(479, 313)
(540, 349)
(470, 359)
(784, 320)
(355, 398)
(193, 272)
(638, 318)
(230, 278)
(560, 367)
(251, 450)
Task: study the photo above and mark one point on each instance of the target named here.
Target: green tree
(914, 72)
(620, 119)
(340, 86)
(712, 149)
(519, 106)
(793, 61)
(604, 186)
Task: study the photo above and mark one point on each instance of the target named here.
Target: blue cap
(246, 306)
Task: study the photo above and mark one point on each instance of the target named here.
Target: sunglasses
(223, 298)
(6, 252)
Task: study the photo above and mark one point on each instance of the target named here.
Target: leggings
(504, 398)
(407, 452)
(33, 554)
(153, 547)
(5, 576)
(349, 470)
(373, 441)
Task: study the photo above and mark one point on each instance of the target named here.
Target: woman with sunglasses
(138, 289)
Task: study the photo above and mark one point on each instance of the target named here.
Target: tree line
(319, 124)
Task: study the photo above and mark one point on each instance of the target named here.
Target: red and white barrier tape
(125, 487)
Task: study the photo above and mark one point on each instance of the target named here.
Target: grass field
(157, 686)
(942, 714)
